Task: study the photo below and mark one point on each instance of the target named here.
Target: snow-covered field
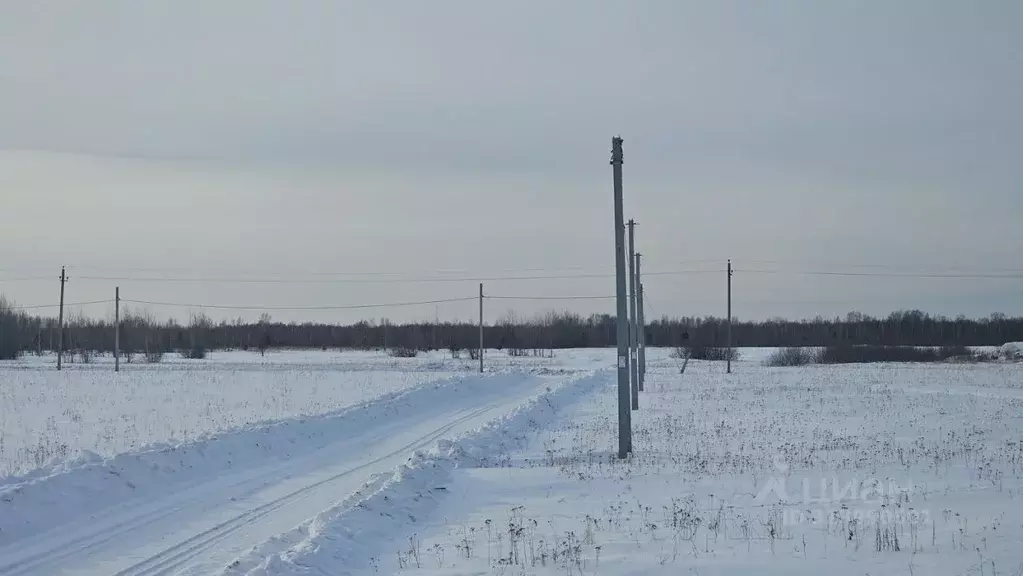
(48, 416)
(337, 463)
(874, 469)
(293, 437)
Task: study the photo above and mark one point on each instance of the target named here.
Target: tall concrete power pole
(633, 323)
(117, 329)
(728, 360)
(641, 330)
(481, 327)
(622, 321)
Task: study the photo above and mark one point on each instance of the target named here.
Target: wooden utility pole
(640, 324)
(633, 323)
(117, 329)
(481, 327)
(622, 321)
(728, 360)
(60, 320)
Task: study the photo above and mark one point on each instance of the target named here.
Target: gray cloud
(457, 134)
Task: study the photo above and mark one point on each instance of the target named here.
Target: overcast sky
(267, 140)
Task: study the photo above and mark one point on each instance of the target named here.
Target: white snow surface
(1012, 350)
(347, 537)
(49, 417)
(844, 470)
(839, 470)
(194, 507)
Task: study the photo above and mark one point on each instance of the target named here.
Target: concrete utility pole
(641, 325)
(117, 329)
(60, 319)
(633, 323)
(481, 327)
(622, 321)
(728, 360)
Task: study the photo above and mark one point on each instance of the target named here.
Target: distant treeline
(141, 333)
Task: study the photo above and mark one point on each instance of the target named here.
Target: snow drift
(342, 538)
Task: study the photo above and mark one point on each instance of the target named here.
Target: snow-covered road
(200, 525)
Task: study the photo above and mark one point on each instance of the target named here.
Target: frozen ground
(193, 507)
(328, 463)
(840, 470)
(48, 416)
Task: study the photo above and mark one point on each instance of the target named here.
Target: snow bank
(1011, 350)
(343, 538)
(79, 488)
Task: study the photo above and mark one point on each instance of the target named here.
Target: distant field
(46, 415)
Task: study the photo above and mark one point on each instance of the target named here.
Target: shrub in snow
(791, 357)
(403, 352)
(711, 353)
(844, 354)
(194, 353)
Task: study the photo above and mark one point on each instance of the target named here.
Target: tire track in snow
(90, 545)
(179, 554)
(325, 544)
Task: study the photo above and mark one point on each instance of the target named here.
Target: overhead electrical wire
(464, 271)
(411, 280)
(495, 275)
(430, 280)
(877, 271)
(485, 297)
(439, 271)
(927, 270)
(297, 308)
(880, 274)
(27, 279)
(66, 305)
(647, 303)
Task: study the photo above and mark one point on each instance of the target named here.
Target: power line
(648, 304)
(294, 308)
(883, 274)
(38, 306)
(440, 271)
(467, 273)
(464, 271)
(550, 297)
(937, 269)
(682, 272)
(225, 280)
(26, 279)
